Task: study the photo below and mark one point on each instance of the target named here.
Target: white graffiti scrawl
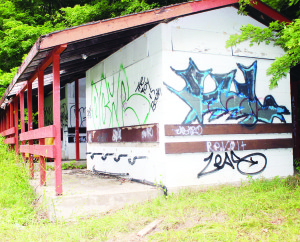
(147, 133)
(116, 135)
(189, 130)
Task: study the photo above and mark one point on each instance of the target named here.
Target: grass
(67, 166)
(16, 195)
(258, 210)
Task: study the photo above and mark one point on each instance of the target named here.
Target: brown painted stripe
(210, 129)
(139, 133)
(217, 146)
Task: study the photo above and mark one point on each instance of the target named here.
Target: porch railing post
(77, 120)
(57, 123)
(30, 125)
(16, 102)
(11, 120)
(41, 124)
(22, 118)
(7, 117)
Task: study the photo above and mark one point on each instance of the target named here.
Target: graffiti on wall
(215, 146)
(189, 130)
(117, 158)
(82, 116)
(116, 135)
(64, 115)
(48, 113)
(242, 104)
(251, 164)
(145, 88)
(112, 103)
(147, 133)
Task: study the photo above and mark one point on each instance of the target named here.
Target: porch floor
(86, 193)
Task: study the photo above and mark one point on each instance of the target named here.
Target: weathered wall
(67, 112)
(181, 74)
(72, 120)
(125, 90)
(205, 83)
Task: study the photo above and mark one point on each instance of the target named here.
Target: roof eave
(90, 30)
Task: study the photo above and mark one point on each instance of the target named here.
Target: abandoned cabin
(156, 96)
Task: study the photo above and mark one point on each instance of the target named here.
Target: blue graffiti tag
(242, 104)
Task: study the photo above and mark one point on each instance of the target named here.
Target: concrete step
(85, 193)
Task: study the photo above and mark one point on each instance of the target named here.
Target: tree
(285, 35)
(22, 22)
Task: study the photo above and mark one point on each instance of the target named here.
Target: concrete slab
(86, 193)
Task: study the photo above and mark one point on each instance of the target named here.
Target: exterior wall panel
(184, 78)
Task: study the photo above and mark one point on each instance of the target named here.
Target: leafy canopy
(285, 35)
(22, 22)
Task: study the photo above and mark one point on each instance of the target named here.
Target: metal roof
(90, 43)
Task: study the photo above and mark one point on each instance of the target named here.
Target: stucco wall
(67, 112)
(198, 51)
(125, 90)
(72, 120)
(170, 75)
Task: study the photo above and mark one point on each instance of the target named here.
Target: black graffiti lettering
(132, 162)
(117, 158)
(104, 157)
(48, 113)
(154, 94)
(64, 115)
(209, 159)
(248, 159)
(256, 161)
(82, 116)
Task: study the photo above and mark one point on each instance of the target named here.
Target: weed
(68, 166)
(71, 165)
(293, 181)
(259, 210)
(16, 195)
(297, 164)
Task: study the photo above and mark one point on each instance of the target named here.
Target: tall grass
(16, 195)
(258, 210)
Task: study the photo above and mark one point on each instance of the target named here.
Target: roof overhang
(90, 43)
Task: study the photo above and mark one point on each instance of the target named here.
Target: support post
(41, 125)
(77, 120)
(16, 108)
(57, 123)
(30, 125)
(1, 126)
(22, 117)
(3, 121)
(7, 117)
(11, 120)
(11, 115)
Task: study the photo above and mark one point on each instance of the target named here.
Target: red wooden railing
(9, 121)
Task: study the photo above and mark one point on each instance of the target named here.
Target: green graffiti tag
(113, 105)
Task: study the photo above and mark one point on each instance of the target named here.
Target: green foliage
(22, 22)
(258, 210)
(297, 164)
(104, 9)
(287, 36)
(16, 195)
(68, 166)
